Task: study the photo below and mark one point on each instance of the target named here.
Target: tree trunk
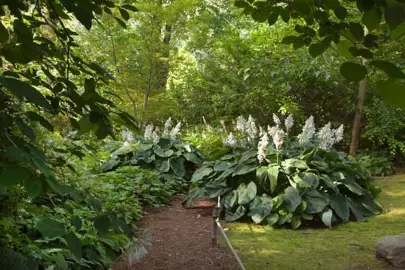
(359, 110)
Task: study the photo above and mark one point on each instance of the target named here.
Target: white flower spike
(308, 131)
(262, 148)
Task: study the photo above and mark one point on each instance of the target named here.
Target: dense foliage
(287, 181)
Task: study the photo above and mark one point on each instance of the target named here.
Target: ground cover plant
(287, 180)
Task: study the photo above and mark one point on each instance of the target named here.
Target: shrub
(287, 181)
(375, 164)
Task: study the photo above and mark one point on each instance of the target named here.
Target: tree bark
(359, 110)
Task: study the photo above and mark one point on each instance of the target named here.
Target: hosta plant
(288, 179)
(170, 156)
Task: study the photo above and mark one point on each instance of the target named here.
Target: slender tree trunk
(359, 110)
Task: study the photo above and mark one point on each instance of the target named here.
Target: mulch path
(182, 239)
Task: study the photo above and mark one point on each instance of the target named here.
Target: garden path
(182, 240)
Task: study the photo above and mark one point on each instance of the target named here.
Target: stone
(392, 250)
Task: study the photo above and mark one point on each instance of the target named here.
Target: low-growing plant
(375, 164)
(208, 142)
(289, 180)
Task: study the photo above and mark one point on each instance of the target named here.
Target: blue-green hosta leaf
(50, 227)
(163, 165)
(192, 157)
(14, 175)
(230, 199)
(272, 219)
(295, 222)
(164, 153)
(201, 173)
(110, 165)
(232, 216)
(260, 208)
(249, 156)
(356, 210)
(125, 149)
(74, 245)
(329, 183)
(242, 169)
(177, 165)
(310, 178)
(355, 188)
(246, 194)
(327, 218)
(293, 164)
(222, 166)
(339, 204)
(278, 201)
(193, 194)
(316, 202)
(292, 198)
(372, 205)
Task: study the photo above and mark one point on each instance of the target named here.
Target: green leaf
(272, 19)
(365, 5)
(317, 49)
(389, 68)
(272, 219)
(4, 35)
(162, 153)
(242, 169)
(292, 198)
(260, 208)
(74, 245)
(340, 12)
(102, 224)
(285, 14)
(232, 216)
(272, 174)
(14, 175)
(357, 31)
(310, 178)
(76, 222)
(201, 173)
(339, 204)
(394, 14)
(130, 7)
(398, 31)
(372, 205)
(392, 92)
(246, 193)
(33, 187)
(356, 210)
(50, 228)
(23, 90)
(292, 164)
(84, 16)
(372, 18)
(327, 218)
(353, 72)
(61, 263)
(25, 129)
(54, 185)
(163, 165)
(230, 199)
(295, 222)
(289, 39)
(33, 116)
(316, 203)
(177, 165)
(343, 48)
(121, 22)
(192, 157)
(260, 15)
(124, 14)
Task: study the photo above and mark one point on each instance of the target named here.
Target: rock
(392, 250)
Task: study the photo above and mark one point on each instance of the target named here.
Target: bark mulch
(182, 239)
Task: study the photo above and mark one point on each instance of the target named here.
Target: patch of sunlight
(397, 193)
(394, 212)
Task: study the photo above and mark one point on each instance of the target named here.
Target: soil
(182, 239)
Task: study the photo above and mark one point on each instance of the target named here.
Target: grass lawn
(347, 246)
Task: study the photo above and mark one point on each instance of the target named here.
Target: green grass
(347, 246)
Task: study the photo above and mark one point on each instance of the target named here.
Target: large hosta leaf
(242, 169)
(246, 194)
(292, 198)
(372, 205)
(177, 165)
(272, 219)
(293, 164)
(260, 208)
(230, 199)
(316, 202)
(340, 205)
(201, 173)
(272, 174)
(232, 216)
(327, 217)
